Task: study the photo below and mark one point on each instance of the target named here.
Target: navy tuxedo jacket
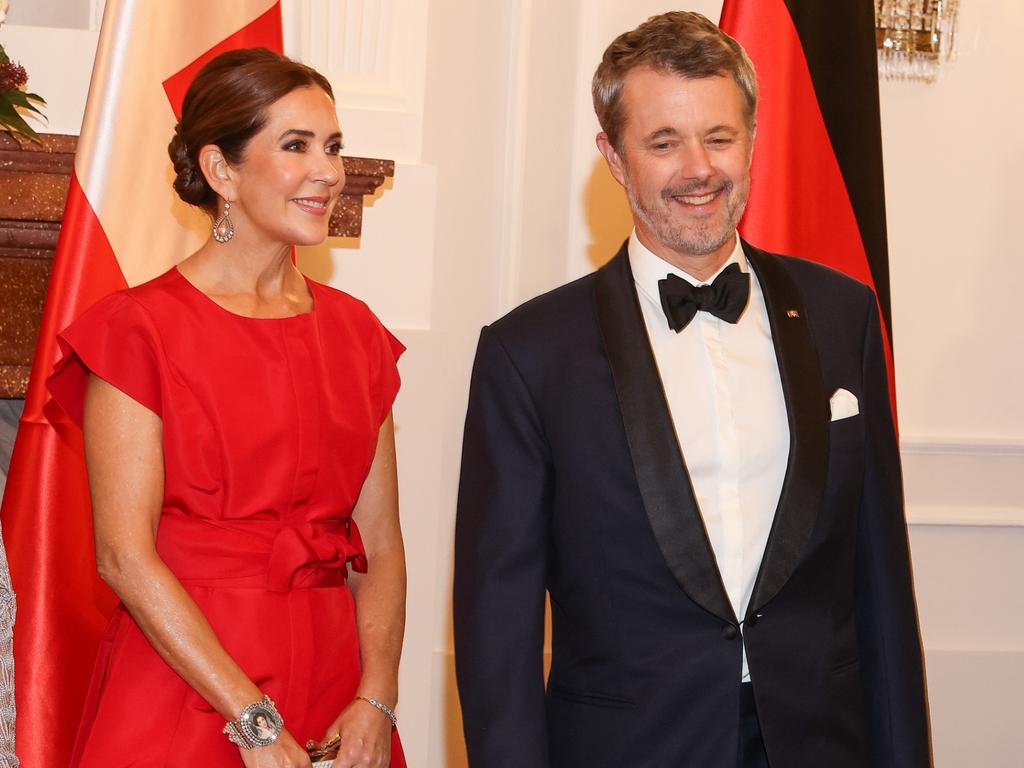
(573, 482)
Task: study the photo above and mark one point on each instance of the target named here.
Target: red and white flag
(122, 226)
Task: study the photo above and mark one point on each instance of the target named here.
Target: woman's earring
(223, 229)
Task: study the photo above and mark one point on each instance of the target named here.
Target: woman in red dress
(241, 458)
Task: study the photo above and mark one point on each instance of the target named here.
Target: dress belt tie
(269, 554)
(296, 550)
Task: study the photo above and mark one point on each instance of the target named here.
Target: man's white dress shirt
(724, 391)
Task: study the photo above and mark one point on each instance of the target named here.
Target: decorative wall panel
(373, 52)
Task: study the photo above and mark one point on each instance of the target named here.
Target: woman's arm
(380, 612)
(124, 454)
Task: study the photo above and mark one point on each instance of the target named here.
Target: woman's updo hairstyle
(226, 105)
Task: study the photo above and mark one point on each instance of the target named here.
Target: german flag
(817, 188)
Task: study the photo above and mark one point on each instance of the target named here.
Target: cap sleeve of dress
(116, 340)
(389, 349)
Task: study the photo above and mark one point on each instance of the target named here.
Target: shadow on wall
(318, 261)
(609, 219)
(187, 216)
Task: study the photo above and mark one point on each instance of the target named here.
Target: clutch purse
(323, 754)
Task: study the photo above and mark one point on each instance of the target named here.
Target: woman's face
(291, 172)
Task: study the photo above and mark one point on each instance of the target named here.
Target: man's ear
(217, 172)
(611, 156)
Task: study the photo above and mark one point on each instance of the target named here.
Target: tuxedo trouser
(751, 747)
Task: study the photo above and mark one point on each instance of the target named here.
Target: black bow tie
(725, 297)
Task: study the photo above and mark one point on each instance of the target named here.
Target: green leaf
(21, 99)
(18, 97)
(35, 97)
(3, 56)
(12, 121)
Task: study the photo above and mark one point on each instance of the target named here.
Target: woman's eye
(335, 149)
(295, 146)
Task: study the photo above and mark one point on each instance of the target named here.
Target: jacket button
(752, 619)
(729, 632)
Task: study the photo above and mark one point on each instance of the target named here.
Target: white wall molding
(963, 480)
(969, 517)
(514, 161)
(354, 41)
(961, 445)
(373, 52)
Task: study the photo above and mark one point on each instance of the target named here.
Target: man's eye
(720, 142)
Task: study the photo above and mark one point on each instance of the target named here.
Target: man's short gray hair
(680, 42)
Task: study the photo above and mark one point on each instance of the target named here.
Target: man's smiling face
(684, 160)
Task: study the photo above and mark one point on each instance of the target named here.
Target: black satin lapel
(807, 408)
(657, 460)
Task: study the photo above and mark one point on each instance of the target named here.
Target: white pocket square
(843, 404)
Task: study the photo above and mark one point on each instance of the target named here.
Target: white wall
(499, 195)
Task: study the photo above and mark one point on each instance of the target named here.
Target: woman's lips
(314, 205)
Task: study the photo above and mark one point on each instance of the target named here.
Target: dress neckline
(221, 308)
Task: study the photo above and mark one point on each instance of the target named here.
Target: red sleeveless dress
(269, 428)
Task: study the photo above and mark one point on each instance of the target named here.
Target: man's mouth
(694, 198)
(699, 199)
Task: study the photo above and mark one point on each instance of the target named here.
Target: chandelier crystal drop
(914, 37)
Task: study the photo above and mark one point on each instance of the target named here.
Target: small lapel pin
(792, 313)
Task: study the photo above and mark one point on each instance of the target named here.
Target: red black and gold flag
(817, 188)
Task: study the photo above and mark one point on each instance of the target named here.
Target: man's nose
(696, 161)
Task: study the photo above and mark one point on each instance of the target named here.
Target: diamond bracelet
(258, 725)
(387, 711)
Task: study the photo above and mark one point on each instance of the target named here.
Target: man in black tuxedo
(692, 451)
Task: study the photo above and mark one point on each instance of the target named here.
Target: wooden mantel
(33, 186)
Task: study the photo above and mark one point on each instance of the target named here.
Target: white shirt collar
(648, 268)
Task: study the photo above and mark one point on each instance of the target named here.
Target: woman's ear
(217, 172)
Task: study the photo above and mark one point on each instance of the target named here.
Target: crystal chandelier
(914, 36)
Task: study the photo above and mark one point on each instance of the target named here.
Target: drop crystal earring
(223, 229)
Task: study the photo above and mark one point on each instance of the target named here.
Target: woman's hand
(285, 752)
(365, 737)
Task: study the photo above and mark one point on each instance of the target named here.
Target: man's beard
(700, 237)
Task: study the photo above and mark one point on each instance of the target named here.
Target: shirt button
(729, 632)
